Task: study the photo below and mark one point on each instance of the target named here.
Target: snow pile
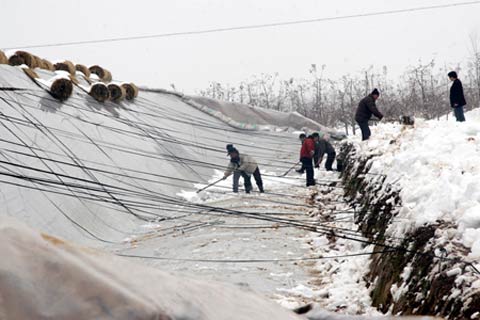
(338, 265)
(435, 166)
(344, 289)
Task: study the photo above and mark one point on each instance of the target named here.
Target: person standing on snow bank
(306, 157)
(322, 146)
(245, 166)
(457, 99)
(366, 108)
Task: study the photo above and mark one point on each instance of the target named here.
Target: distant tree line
(422, 91)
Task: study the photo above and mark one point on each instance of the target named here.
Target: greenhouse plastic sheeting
(248, 117)
(42, 277)
(155, 144)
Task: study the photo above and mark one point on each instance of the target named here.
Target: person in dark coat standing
(457, 99)
(322, 146)
(306, 157)
(366, 108)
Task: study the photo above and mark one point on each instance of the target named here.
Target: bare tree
(421, 91)
(317, 85)
(474, 69)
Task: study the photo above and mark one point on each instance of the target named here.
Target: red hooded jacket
(308, 148)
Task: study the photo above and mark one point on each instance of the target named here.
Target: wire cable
(253, 260)
(246, 27)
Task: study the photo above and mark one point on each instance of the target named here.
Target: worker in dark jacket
(306, 157)
(322, 146)
(457, 99)
(366, 108)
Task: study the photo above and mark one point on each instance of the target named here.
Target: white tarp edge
(42, 277)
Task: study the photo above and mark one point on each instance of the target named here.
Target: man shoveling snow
(245, 166)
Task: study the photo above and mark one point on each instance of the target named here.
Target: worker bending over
(245, 166)
(322, 146)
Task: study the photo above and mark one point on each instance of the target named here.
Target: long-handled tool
(211, 184)
(283, 175)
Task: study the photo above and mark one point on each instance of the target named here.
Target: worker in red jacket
(306, 157)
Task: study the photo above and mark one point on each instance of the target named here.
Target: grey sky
(344, 46)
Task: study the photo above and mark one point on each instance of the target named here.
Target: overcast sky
(191, 62)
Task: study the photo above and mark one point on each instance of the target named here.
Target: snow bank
(344, 289)
(435, 164)
(414, 188)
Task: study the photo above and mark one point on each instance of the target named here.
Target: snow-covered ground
(436, 165)
(299, 266)
(337, 283)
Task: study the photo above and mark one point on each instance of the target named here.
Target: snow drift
(417, 193)
(435, 166)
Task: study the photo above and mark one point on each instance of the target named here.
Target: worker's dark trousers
(307, 163)
(246, 180)
(315, 160)
(301, 170)
(365, 129)
(459, 114)
(329, 162)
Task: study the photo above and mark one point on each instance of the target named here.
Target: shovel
(283, 175)
(210, 185)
